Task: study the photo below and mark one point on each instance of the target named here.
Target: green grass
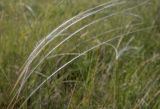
(109, 58)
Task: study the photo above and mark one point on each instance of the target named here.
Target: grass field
(79, 54)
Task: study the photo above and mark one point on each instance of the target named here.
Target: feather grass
(73, 59)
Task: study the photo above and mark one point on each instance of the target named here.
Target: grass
(78, 54)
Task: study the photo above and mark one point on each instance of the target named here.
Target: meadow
(79, 54)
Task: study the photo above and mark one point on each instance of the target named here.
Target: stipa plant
(115, 34)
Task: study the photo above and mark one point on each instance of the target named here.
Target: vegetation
(79, 54)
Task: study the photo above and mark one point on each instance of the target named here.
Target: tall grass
(104, 57)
